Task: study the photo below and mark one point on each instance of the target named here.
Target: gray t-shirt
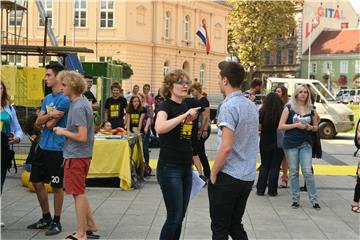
(80, 114)
(239, 114)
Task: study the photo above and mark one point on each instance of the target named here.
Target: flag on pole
(203, 35)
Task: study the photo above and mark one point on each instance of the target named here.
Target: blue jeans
(175, 182)
(146, 139)
(303, 155)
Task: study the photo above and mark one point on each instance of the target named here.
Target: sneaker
(316, 206)
(41, 224)
(54, 229)
(295, 205)
(2, 224)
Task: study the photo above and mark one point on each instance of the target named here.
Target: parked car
(348, 96)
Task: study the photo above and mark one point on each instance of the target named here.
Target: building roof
(346, 41)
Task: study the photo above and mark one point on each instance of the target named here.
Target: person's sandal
(355, 208)
(284, 182)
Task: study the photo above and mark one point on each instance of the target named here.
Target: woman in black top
(271, 155)
(174, 173)
(134, 115)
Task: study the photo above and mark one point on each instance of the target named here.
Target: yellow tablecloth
(111, 158)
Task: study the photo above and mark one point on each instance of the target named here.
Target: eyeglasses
(183, 82)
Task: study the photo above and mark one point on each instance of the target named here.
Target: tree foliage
(254, 27)
(127, 70)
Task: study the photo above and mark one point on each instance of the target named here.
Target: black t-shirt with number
(90, 96)
(135, 118)
(116, 109)
(175, 145)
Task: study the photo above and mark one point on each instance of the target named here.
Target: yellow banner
(34, 79)
(8, 76)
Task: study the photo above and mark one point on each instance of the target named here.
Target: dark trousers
(202, 155)
(4, 158)
(175, 182)
(357, 190)
(227, 198)
(146, 138)
(269, 170)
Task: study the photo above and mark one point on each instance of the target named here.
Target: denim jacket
(14, 123)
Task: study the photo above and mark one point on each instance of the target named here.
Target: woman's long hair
(284, 94)
(293, 101)
(130, 108)
(5, 98)
(270, 111)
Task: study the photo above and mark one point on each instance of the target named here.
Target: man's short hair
(115, 85)
(88, 76)
(233, 71)
(55, 67)
(146, 85)
(255, 83)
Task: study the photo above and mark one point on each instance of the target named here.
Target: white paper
(197, 184)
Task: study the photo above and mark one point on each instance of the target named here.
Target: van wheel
(327, 130)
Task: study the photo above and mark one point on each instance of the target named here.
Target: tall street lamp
(313, 22)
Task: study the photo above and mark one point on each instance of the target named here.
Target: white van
(348, 96)
(334, 117)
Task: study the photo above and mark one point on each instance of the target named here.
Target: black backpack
(357, 140)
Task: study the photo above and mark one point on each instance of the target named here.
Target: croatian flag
(202, 33)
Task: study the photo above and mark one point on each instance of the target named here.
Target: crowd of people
(63, 135)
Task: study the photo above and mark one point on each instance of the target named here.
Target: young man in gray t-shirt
(79, 133)
(234, 169)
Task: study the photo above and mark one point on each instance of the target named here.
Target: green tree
(254, 27)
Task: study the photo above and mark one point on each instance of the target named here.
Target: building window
(267, 58)
(47, 60)
(166, 67)
(313, 69)
(187, 28)
(19, 15)
(202, 74)
(290, 56)
(186, 67)
(167, 24)
(357, 66)
(80, 13)
(218, 31)
(14, 60)
(47, 4)
(344, 66)
(105, 59)
(82, 58)
(107, 14)
(140, 15)
(327, 68)
(278, 57)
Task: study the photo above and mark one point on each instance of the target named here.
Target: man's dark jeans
(202, 154)
(175, 182)
(227, 198)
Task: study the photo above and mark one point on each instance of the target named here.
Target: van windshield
(327, 95)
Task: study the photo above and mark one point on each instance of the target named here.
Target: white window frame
(47, 11)
(107, 11)
(18, 17)
(167, 24)
(187, 28)
(80, 9)
(166, 67)
(313, 67)
(202, 74)
(104, 58)
(344, 66)
(327, 67)
(82, 58)
(15, 61)
(357, 66)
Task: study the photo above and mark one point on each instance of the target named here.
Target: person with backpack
(11, 132)
(298, 122)
(355, 204)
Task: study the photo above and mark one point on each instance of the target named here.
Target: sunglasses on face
(183, 82)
